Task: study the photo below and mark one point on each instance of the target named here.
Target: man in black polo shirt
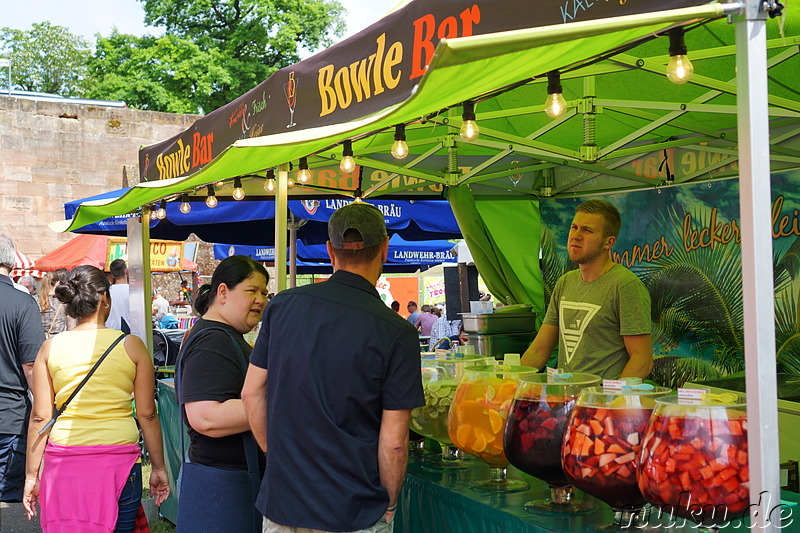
(344, 374)
(21, 335)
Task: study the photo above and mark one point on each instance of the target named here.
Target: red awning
(24, 267)
(82, 250)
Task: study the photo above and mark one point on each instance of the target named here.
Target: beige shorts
(378, 527)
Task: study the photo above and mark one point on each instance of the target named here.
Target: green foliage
(673, 372)
(161, 74)
(47, 58)
(236, 45)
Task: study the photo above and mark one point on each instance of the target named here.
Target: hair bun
(65, 292)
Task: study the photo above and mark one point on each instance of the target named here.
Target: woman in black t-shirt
(220, 482)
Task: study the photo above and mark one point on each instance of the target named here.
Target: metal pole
(292, 254)
(281, 212)
(759, 299)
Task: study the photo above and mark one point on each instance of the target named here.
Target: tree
(47, 58)
(248, 39)
(161, 74)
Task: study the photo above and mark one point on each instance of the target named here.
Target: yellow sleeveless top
(101, 413)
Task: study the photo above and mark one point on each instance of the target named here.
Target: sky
(89, 17)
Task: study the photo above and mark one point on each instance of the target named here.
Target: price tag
(613, 384)
(692, 394)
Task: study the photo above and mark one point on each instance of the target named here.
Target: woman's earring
(106, 306)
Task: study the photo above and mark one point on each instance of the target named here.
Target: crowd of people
(305, 431)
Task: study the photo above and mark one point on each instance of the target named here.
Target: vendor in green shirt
(599, 314)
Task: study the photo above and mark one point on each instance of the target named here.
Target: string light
(679, 69)
(153, 212)
(555, 105)
(185, 206)
(269, 183)
(238, 192)
(211, 200)
(161, 212)
(348, 164)
(400, 147)
(469, 128)
(303, 174)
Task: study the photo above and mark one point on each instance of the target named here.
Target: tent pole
(281, 212)
(293, 253)
(758, 290)
(141, 299)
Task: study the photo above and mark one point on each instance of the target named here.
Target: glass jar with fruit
(602, 443)
(534, 433)
(440, 377)
(694, 459)
(477, 417)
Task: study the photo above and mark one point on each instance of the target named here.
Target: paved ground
(13, 519)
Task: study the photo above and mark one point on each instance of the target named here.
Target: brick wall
(51, 153)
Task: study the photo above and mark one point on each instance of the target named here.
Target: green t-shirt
(592, 318)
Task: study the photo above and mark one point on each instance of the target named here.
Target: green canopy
(482, 67)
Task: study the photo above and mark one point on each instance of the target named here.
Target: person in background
(120, 315)
(161, 304)
(211, 371)
(463, 336)
(21, 334)
(61, 274)
(413, 314)
(396, 306)
(599, 314)
(331, 401)
(441, 329)
(425, 321)
(184, 298)
(92, 475)
(54, 318)
(29, 283)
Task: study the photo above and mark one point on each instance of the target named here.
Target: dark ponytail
(82, 290)
(231, 271)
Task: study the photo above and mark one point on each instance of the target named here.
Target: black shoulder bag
(80, 386)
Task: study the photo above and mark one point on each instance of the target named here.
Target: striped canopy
(24, 267)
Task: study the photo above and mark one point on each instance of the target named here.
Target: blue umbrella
(252, 222)
(404, 256)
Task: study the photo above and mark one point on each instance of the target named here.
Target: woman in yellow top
(91, 480)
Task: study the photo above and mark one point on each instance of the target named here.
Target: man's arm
(254, 396)
(393, 451)
(27, 370)
(640, 350)
(541, 348)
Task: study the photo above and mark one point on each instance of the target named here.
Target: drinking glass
(477, 417)
(694, 459)
(440, 377)
(602, 444)
(534, 433)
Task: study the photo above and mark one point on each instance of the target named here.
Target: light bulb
(290, 183)
(161, 212)
(185, 206)
(153, 213)
(679, 69)
(399, 149)
(211, 201)
(269, 185)
(303, 175)
(348, 164)
(469, 130)
(555, 105)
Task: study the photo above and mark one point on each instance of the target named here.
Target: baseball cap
(362, 217)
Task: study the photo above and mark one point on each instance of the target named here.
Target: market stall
(604, 140)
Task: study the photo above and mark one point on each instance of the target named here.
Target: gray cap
(362, 217)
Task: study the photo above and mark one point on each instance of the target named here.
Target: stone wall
(51, 153)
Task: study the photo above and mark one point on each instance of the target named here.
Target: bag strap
(55, 315)
(80, 385)
(250, 446)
